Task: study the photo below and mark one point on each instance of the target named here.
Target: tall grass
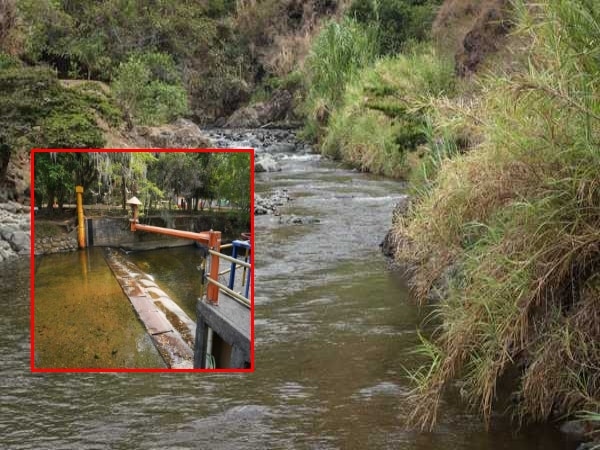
(518, 221)
(383, 112)
(340, 50)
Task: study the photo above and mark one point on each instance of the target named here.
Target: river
(334, 330)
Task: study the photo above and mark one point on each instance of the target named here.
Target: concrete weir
(171, 329)
(225, 328)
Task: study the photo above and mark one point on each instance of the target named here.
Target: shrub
(149, 87)
(383, 113)
(396, 21)
(75, 130)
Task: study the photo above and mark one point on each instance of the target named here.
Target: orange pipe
(202, 237)
(212, 238)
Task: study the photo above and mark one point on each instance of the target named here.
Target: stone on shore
(15, 234)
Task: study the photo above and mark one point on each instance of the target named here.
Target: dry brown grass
(9, 39)
(516, 225)
(281, 32)
(472, 30)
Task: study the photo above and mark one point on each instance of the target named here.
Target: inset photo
(142, 260)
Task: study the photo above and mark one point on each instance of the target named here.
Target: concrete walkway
(170, 328)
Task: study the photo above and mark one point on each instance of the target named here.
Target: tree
(149, 87)
(233, 178)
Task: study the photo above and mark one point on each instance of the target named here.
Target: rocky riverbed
(272, 146)
(15, 234)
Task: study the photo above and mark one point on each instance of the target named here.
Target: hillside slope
(503, 232)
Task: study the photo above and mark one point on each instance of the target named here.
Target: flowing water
(334, 329)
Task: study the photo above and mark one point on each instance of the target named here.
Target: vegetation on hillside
(365, 100)
(155, 178)
(149, 89)
(37, 111)
(383, 114)
(513, 227)
(395, 21)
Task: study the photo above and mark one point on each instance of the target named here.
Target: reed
(514, 227)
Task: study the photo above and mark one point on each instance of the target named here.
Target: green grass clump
(384, 111)
(149, 87)
(514, 226)
(336, 57)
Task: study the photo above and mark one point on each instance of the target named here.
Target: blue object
(238, 245)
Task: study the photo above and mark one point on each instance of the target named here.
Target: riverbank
(503, 231)
(15, 231)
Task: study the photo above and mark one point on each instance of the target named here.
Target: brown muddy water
(334, 331)
(82, 317)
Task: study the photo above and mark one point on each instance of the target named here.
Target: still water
(82, 317)
(334, 330)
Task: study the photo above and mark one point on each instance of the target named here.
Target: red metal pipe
(214, 243)
(211, 238)
(201, 237)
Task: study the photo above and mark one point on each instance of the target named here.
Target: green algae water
(82, 317)
(334, 333)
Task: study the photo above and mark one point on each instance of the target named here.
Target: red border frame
(32, 259)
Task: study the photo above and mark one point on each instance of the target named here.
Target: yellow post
(80, 221)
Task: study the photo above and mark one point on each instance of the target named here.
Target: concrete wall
(115, 232)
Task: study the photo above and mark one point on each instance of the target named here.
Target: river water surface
(334, 330)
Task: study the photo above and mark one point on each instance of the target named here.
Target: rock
(282, 147)
(262, 113)
(485, 37)
(589, 446)
(246, 117)
(5, 251)
(268, 205)
(389, 244)
(182, 133)
(577, 429)
(20, 242)
(266, 163)
(391, 240)
(10, 207)
(400, 209)
(296, 220)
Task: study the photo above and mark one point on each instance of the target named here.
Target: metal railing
(244, 298)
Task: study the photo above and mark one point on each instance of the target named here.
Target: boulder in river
(391, 240)
(273, 110)
(266, 163)
(268, 205)
(297, 220)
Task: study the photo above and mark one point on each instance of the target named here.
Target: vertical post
(247, 293)
(134, 221)
(214, 243)
(80, 221)
(232, 271)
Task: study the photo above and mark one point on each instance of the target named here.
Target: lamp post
(135, 205)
